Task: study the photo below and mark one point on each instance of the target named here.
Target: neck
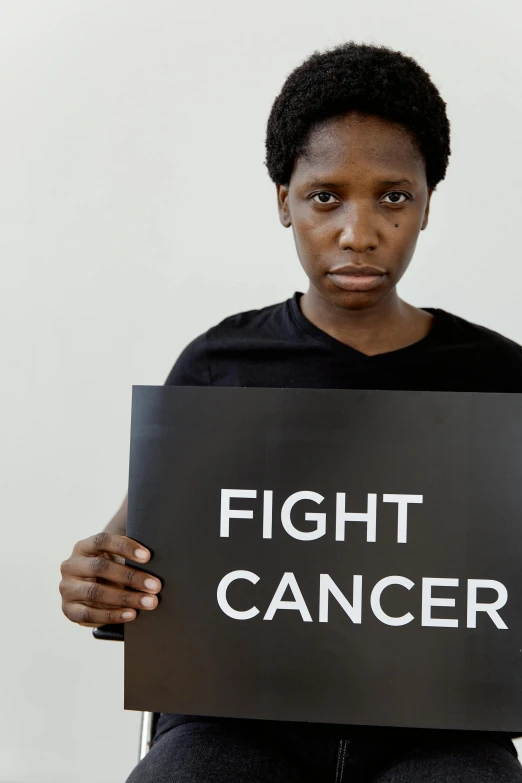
(388, 326)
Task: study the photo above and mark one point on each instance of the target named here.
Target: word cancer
(353, 609)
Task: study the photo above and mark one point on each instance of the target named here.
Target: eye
(323, 193)
(397, 193)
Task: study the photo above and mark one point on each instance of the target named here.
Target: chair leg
(145, 733)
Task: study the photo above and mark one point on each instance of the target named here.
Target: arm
(118, 523)
(97, 587)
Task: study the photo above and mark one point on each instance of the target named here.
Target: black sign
(337, 556)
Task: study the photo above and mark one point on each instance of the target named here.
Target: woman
(357, 141)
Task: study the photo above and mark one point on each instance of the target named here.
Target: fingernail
(141, 553)
(147, 601)
(127, 615)
(151, 584)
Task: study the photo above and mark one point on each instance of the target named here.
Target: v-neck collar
(347, 352)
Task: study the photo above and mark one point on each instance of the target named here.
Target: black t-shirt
(276, 346)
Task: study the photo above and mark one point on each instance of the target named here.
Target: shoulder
(263, 322)
(476, 334)
(193, 366)
(495, 353)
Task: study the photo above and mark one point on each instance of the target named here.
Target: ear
(282, 205)
(427, 210)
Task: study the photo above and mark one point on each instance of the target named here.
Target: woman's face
(356, 203)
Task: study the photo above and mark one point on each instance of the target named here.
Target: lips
(358, 271)
(357, 278)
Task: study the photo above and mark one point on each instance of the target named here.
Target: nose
(360, 231)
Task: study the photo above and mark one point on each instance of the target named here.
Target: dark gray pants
(228, 751)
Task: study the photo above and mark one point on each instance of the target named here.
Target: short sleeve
(191, 367)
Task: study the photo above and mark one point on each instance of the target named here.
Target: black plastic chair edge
(109, 633)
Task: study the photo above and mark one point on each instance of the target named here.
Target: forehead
(363, 143)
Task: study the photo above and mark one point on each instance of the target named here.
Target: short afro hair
(357, 77)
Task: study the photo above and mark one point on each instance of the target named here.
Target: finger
(105, 597)
(115, 545)
(89, 615)
(109, 571)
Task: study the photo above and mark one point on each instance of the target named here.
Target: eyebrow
(318, 184)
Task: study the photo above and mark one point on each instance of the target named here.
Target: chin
(355, 300)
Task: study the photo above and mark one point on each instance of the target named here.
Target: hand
(98, 588)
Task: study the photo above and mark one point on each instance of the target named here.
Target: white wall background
(135, 213)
